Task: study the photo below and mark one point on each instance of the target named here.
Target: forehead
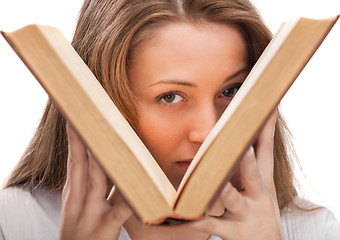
(181, 36)
(183, 48)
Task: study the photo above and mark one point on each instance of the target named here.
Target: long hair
(108, 34)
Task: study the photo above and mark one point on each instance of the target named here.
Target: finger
(223, 228)
(217, 210)
(66, 190)
(250, 175)
(97, 183)
(264, 150)
(233, 200)
(120, 211)
(77, 174)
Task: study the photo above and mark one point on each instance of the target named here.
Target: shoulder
(309, 222)
(29, 213)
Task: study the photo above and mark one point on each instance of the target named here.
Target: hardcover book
(121, 153)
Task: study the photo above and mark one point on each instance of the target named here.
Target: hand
(86, 212)
(252, 213)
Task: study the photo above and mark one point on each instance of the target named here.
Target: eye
(230, 91)
(170, 97)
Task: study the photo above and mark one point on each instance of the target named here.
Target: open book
(112, 141)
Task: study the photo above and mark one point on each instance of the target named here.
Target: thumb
(120, 211)
(217, 209)
(264, 151)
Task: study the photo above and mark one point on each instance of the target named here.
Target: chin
(176, 181)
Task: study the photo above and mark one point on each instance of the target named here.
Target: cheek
(160, 134)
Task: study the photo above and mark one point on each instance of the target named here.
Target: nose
(203, 120)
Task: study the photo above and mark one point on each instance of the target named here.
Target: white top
(34, 214)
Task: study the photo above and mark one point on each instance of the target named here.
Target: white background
(311, 107)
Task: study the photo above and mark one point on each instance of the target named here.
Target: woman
(171, 67)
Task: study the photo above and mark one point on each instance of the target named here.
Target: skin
(184, 78)
(193, 79)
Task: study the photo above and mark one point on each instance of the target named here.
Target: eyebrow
(239, 72)
(176, 82)
(189, 84)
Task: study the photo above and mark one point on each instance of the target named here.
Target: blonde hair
(107, 36)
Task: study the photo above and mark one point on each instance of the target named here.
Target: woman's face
(184, 78)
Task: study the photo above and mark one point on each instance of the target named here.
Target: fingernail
(250, 151)
(89, 154)
(227, 187)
